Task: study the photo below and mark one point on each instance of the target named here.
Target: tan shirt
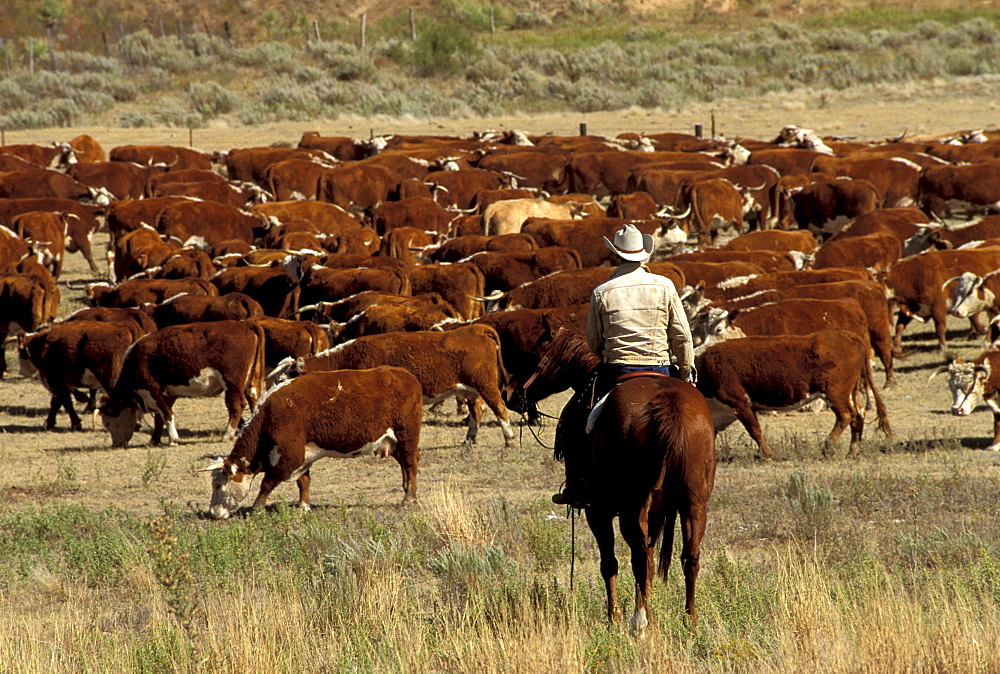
(636, 318)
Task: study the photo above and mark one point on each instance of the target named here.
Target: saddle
(596, 407)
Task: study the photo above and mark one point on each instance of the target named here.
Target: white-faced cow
(337, 414)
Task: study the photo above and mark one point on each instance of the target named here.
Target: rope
(572, 546)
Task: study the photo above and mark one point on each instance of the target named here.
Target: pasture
(885, 562)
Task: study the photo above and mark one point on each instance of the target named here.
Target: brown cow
(462, 247)
(508, 216)
(141, 291)
(942, 237)
(358, 188)
(207, 223)
(325, 218)
(457, 283)
(75, 355)
(123, 180)
(894, 179)
(24, 302)
(867, 251)
(972, 188)
(507, 270)
(135, 251)
(587, 236)
(184, 308)
(174, 157)
(249, 164)
(459, 188)
(192, 360)
(786, 371)
(338, 147)
(825, 205)
(291, 339)
(276, 289)
(295, 179)
(464, 362)
(773, 239)
(322, 284)
(46, 233)
(326, 414)
(419, 212)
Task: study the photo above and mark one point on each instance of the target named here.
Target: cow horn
(937, 218)
(216, 464)
(684, 214)
(938, 370)
(492, 297)
(953, 278)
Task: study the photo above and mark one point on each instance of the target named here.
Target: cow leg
(303, 483)
(491, 395)
(749, 420)
(601, 526)
(634, 531)
(996, 433)
(62, 396)
(267, 485)
(163, 417)
(407, 454)
(235, 403)
(902, 321)
(940, 322)
(54, 405)
(475, 416)
(846, 415)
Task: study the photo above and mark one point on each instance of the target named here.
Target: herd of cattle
(422, 268)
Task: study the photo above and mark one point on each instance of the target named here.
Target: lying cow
(464, 362)
(191, 361)
(972, 382)
(789, 371)
(325, 414)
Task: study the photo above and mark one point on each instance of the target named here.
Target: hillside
(236, 63)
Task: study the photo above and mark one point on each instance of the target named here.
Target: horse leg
(634, 530)
(604, 533)
(693, 521)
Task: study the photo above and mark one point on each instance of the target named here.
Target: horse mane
(569, 348)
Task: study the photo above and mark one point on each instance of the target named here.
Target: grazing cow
(507, 217)
(338, 147)
(127, 216)
(290, 339)
(140, 291)
(973, 294)
(917, 284)
(972, 188)
(54, 155)
(349, 307)
(464, 362)
(715, 204)
(507, 270)
(902, 223)
(788, 371)
(867, 251)
(86, 149)
(635, 206)
(175, 158)
(326, 414)
(135, 251)
(43, 184)
(229, 194)
(181, 309)
(484, 198)
(140, 318)
(533, 169)
(325, 218)
(191, 361)
(75, 355)
(972, 382)
(186, 262)
(382, 318)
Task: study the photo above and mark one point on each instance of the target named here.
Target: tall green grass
(871, 565)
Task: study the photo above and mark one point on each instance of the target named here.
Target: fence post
(413, 24)
(316, 31)
(713, 124)
(493, 25)
(163, 32)
(104, 38)
(697, 130)
(31, 55)
(52, 51)
(180, 30)
(229, 33)
(6, 55)
(364, 25)
(583, 128)
(190, 137)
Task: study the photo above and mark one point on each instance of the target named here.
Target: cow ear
(731, 314)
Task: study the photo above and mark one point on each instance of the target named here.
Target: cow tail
(405, 285)
(478, 309)
(883, 414)
(504, 377)
(258, 369)
(576, 256)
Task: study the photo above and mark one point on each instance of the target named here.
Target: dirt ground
(81, 468)
(45, 467)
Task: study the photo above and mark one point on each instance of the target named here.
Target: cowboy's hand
(689, 374)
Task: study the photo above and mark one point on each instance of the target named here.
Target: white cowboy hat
(631, 244)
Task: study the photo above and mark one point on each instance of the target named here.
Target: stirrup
(567, 499)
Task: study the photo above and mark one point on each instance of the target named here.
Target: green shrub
(211, 99)
(528, 20)
(134, 120)
(443, 49)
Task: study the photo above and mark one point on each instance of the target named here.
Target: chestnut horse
(649, 457)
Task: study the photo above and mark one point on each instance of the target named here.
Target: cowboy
(635, 323)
